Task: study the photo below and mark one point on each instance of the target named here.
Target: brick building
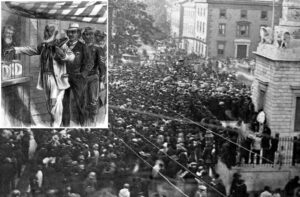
(276, 87)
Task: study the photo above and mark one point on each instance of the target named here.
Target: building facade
(227, 28)
(177, 19)
(188, 31)
(200, 45)
(276, 88)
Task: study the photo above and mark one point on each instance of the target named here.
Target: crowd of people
(207, 96)
(73, 162)
(165, 126)
(114, 162)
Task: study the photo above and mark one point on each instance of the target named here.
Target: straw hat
(73, 26)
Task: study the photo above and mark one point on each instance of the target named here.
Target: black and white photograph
(203, 99)
(53, 64)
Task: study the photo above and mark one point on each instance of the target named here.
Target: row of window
(241, 31)
(188, 28)
(200, 48)
(201, 26)
(244, 14)
(190, 13)
(201, 11)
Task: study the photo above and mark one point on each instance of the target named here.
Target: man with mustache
(78, 71)
(52, 77)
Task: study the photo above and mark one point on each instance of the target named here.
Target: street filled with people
(166, 136)
(115, 162)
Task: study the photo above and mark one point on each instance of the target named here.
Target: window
(264, 15)
(222, 29)
(222, 13)
(203, 27)
(200, 27)
(243, 30)
(297, 115)
(201, 49)
(221, 47)
(203, 11)
(243, 13)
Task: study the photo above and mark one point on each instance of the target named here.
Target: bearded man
(7, 42)
(52, 77)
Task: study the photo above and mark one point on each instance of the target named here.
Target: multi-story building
(225, 28)
(276, 88)
(177, 19)
(188, 31)
(201, 28)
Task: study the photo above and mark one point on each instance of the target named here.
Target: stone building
(276, 88)
(201, 28)
(177, 18)
(230, 28)
(188, 31)
(223, 28)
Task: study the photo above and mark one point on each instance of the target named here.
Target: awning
(80, 11)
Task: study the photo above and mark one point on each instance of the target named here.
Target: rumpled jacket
(59, 67)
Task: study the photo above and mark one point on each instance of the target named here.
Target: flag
(80, 11)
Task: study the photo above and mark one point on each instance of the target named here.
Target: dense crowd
(207, 96)
(87, 163)
(157, 142)
(63, 163)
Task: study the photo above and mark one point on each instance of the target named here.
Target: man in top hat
(94, 77)
(52, 77)
(78, 71)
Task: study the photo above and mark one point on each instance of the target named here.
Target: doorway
(241, 51)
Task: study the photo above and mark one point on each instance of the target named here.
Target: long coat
(83, 62)
(59, 68)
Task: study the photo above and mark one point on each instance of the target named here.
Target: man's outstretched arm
(28, 50)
